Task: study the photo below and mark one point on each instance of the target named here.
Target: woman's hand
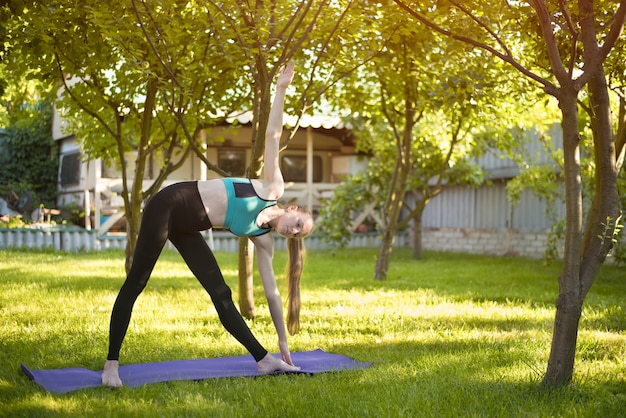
(284, 352)
(285, 77)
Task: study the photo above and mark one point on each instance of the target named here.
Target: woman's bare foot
(269, 364)
(110, 374)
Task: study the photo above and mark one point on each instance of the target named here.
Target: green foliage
(13, 222)
(424, 109)
(452, 335)
(553, 251)
(618, 253)
(336, 216)
(619, 249)
(612, 227)
(28, 154)
(29, 159)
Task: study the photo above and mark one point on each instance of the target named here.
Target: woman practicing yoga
(245, 207)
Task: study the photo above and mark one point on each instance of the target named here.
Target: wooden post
(309, 168)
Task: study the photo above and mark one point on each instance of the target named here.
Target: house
(317, 158)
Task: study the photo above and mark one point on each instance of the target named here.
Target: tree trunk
(133, 221)
(584, 254)
(392, 211)
(261, 111)
(246, 296)
(597, 240)
(133, 200)
(564, 336)
(393, 207)
(397, 191)
(569, 302)
(604, 212)
(384, 254)
(417, 235)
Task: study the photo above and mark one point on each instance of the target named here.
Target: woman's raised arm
(272, 175)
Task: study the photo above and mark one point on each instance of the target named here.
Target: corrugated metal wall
(492, 209)
(487, 207)
(453, 208)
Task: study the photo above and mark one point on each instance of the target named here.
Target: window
(294, 168)
(70, 169)
(233, 161)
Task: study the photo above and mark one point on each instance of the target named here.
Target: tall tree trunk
(262, 105)
(391, 212)
(604, 212)
(133, 199)
(392, 209)
(397, 188)
(569, 302)
(565, 334)
(584, 254)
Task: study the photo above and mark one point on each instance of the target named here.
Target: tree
(258, 39)
(575, 40)
(424, 106)
(115, 95)
(267, 37)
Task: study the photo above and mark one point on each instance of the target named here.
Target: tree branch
(323, 47)
(153, 47)
(548, 86)
(615, 32)
(294, 22)
(83, 106)
(169, 168)
(231, 22)
(575, 35)
(554, 56)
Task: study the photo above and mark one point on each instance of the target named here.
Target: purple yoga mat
(133, 375)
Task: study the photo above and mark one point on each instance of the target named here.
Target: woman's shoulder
(267, 191)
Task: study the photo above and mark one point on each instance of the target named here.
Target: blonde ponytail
(295, 247)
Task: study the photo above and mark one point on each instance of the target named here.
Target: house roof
(314, 121)
(332, 125)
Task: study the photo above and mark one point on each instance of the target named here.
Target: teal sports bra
(244, 206)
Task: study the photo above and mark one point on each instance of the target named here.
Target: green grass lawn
(450, 335)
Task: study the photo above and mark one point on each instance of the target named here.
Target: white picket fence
(78, 239)
(496, 242)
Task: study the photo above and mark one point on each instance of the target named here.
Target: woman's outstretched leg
(202, 263)
(152, 237)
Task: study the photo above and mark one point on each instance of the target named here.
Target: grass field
(450, 335)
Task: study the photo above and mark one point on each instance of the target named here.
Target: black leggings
(177, 213)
